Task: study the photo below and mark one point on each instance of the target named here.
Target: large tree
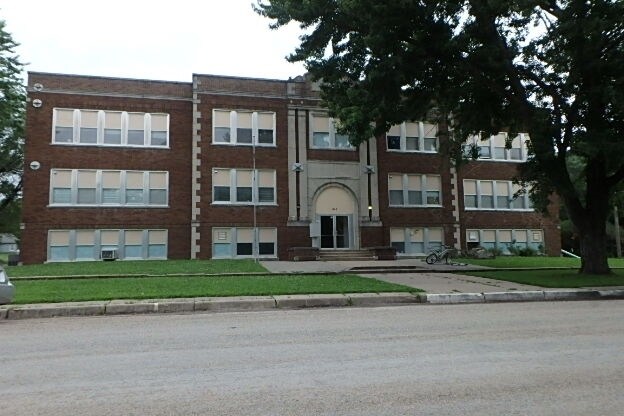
(552, 68)
(12, 110)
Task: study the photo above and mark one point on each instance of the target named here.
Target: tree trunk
(594, 247)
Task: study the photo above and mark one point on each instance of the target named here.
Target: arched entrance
(335, 208)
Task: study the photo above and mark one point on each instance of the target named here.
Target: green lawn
(140, 267)
(553, 278)
(537, 261)
(71, 290)
(4, 258)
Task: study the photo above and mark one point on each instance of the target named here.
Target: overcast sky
(149, 39)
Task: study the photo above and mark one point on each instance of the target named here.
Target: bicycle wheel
(431, 258)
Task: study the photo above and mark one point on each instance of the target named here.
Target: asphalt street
(539, 358)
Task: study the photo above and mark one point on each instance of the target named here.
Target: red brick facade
(192, 156)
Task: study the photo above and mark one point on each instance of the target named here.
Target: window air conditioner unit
(108, 255)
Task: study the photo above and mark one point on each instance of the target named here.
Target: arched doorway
(335, 208)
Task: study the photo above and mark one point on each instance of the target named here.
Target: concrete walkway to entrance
(437, 278)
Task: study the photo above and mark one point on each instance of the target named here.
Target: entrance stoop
(346, 255)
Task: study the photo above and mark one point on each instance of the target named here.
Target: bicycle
(442, 252)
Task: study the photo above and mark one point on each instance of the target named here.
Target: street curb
(264, 303)
(452, 298)
(310, 301)
(524, 296)
(55, 310)
(380, 299)
(234, 304)
(571, 295)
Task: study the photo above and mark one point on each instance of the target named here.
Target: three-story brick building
(226, 167)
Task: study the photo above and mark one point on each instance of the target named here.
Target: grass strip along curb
(553, 278)
(75, 290)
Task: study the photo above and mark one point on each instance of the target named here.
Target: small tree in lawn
(554, 69)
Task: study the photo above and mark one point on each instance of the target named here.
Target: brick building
(226, 167)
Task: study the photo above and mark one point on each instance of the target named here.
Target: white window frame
(476, 141)
(407, 241)
(255, 135)
(255, 248)
(421, 139)
(254, 187)
(528, 233)
(524, 197)
(99, 199)
(423, 191)
(101, 114)
(97, 244)
(332, 131)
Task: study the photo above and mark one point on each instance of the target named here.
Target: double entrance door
(335, 231)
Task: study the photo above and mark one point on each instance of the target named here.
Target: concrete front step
(340, 255)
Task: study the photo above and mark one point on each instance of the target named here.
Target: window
(221, 185)
(110, 128)
(158, 188)
(243, 186)
(413, 137)
(267, 241)
(505, 239)
(63, 121)
(87, 244)
(518, 200)
(88, 127)
(470, 194)
(134, 188)
(111, 187)
(266, 128)
(221, 125)
(108, 188)
(244, 128)
(395, 188)
(133, 244)
(61, 184)
(433, 190)
(136, 129)
(157, 244)
(325, 134)
(414, 190)
(487, 194)
(109, 240)
(498, 148)
(86, 187)
(488, 238)
(58, 246)
(502, 195)
(159, 132)
(415, 241)
(266, 186)
(494, 195)
(397, 239)
(244, 242)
